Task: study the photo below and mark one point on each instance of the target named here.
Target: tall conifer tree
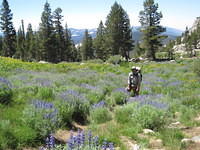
(47, 35)
(99, 42)
(59, 31)
(9, 33)
(87, 47)
(151, 28)
(118, 32)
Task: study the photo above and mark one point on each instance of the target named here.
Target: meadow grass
(46, 97)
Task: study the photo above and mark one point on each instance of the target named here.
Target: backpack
(135, 79)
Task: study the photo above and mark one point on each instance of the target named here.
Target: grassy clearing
(46, 97)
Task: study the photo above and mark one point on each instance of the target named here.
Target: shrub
(46, 93)
(149, 117)
(42, 117)
(116, 59)
(196, 67)
(123, 114)
(78, 104)
(65, 113)
(96, 61)
(7, 139)
(118, 96)
(100, 115)
(5, 91)
(172, 137)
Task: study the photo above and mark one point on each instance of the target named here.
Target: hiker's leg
(134, 92)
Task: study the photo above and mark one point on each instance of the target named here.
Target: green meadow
(39, 99)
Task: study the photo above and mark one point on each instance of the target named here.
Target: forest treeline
(53, 43)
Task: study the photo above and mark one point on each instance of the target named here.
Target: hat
(134, 67)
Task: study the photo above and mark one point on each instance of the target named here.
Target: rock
(186, 140)
(177, 114)
(196, 139)
(176, 123)
(62, 135)
(148, 131)
(42, 62)
(197, 118)
(117, 148)
(82, 63)
(156, 143)
(136, 147)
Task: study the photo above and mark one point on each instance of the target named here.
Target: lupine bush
(5, 91)
(42, 117)
(114, 59)
(100, 115)
(81, 141)
(74, 90)
(154, 120)
(76, 104)
(196, 67)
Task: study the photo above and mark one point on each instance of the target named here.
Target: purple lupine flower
(5, 83)
(51, 141)
(71, 95)
(104, 146)
(149, 100)
(47, 142)
(122, 90)
(82, 137)
(111, 146)
(96, 141)
(78, 137)
(90, 137)
(99, 104)
(90, 87)
(70, 144)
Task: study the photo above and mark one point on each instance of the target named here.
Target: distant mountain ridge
(78, 34)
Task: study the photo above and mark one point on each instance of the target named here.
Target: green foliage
(65, 113)
(47, 35)
(7, 138)
(99, 42)
(9, 40)
(124, 113)
(196, 67)
(60, 38)
(46, 93)
(118, 98)
(116, 59)
(5, 93)
(118, 33)
(95, 61)
(151, 30)
(154, 120)
(100, 115)
(172, 138)
(38, 119)
(87, 50)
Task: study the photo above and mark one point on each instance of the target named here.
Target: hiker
(134, 80)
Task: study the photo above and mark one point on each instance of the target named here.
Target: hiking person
(134, 80)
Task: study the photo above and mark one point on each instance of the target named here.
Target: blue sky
(88, 13)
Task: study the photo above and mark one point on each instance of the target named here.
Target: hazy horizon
(87, 14)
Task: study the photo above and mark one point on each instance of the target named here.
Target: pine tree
(31, 44)
(87, 47)
(47, 36)
(59, 31)
(118, 33)
(9, 33)
(151, 28)
(99, 42)
(21, 47)
(68, 45)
